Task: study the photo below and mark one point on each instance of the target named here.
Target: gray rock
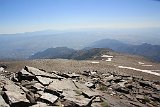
(86, 91)
(118, 88)
(54, 92)
(31, 97)
(15, 98)
(38, 87)
(156, 97)
(108, 79)
(157, 87)
(40, 104)
(86, 73)
(24, 75)
(49, 98)
(76, 98)
(41, 73)
(44, 81)
(2, 102)
(145, 83)
(24, 72)
(90, 85)
(69, 75)
(140, 97)
(12, 87)
(60, 85)
(68, 103)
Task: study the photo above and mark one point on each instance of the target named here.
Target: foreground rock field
(44, 83)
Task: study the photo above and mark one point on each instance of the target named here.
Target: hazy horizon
(19, 16)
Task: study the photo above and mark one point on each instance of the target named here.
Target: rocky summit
(33, 87)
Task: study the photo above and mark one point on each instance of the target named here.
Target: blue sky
(33, 15)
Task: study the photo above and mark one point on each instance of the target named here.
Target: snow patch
(146, 71)
(94, 62)
(147, 65)
(107, 56)
(141, 63)
(109, 59)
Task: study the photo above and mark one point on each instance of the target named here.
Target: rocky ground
(100, 82)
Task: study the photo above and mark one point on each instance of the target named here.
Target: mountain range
(23, 45)
(149, 51)
(67, 53)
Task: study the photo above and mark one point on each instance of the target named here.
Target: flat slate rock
(15, 98)
(40, 104)
(50, 98)
(12, 87)
(76, 98)
(38, 87)
(44, 81)
(24, 72)
(38, 72)
(2, 102)
(60, 85)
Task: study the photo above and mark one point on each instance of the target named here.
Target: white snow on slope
(141, 63)
(147, 65)
(109, 59)
(94, 62)
(107, 56)
(146, 71)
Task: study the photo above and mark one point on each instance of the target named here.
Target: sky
(17, 16)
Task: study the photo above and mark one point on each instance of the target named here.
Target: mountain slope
(147, 50)
(58, 52)
(67, 53)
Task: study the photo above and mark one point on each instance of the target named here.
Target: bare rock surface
(33, 87)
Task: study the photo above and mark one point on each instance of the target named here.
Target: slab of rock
(12, 87)
(38, 72)
(76, 98)
(93, 72)
(68, 103)
(40, 104)
(60, 85)
(15, 98)
(2, 102)
(157, 87)
(85, 90)
(108, 79)
(156, 97)
(24, 72)
(118, 88)
(73, 75)
(54, 92)
(145, 83)
(44, 81)
(69, 75)
(140, 97)
(49, 98)
(38, 87)
(90, 85)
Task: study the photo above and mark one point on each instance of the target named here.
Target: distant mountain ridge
(67, 53)
(147, 50)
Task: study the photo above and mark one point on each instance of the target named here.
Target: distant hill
(147, 50)
(67, 53)
(58, 52)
